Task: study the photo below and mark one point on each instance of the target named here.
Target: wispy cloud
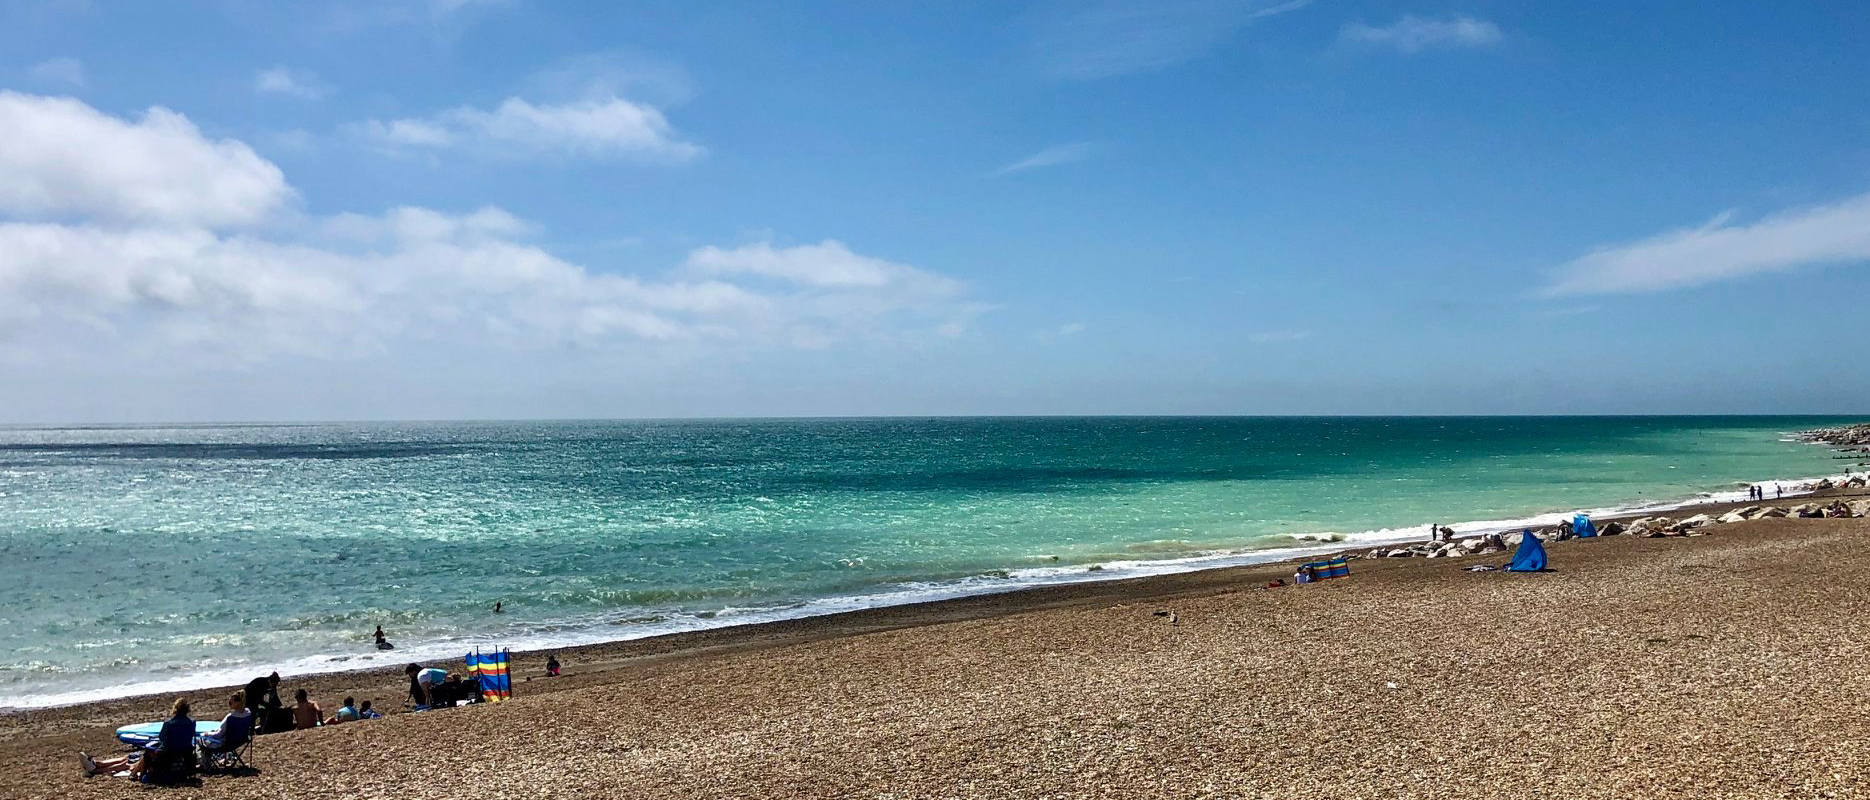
(1112, 38)
(280, 80)
(1415, 34)
(599, 127)
(1056, 155)
(1720, 250)
(1269, 337)
(61, 71)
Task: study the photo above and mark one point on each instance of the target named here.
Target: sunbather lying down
(177, 740)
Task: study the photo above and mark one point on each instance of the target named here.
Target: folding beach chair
(230, 755)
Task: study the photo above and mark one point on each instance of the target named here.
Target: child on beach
(551, 666)
(345, 713)
(366, 712)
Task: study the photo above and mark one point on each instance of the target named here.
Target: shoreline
(1630, 642)
(970, 605)
(1010, 584)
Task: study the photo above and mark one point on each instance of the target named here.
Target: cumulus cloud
(1723, 250)
(61, 71)
(1056, 155)
(592, 127)
(1100, 40)
(62, 158)
(186, 275)
(1416, 34)
(280, 80)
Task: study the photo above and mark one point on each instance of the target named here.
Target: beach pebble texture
(1735, 665)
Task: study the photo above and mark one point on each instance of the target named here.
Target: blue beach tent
(1581, 525)
(1530, 557)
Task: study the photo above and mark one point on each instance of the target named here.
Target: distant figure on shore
(345, 713)
(383, 643)
(496, 607)
(1434, 532)
(1778, 492)
(1447, 534)
(551, 666)
(306, 714)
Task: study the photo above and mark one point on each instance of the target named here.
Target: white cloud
(1415, 34)
(192, 279)
(1720, 250)
(1110, 38)
(1268, 337)
(62, 71)
(828, 264)
(597, 127)
(1053, 156)
(1071, 329)
(64, 158)
(280, 80)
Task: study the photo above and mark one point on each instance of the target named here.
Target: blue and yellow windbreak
(491, 669)
(1332, 568)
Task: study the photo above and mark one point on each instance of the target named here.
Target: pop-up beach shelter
(1530, 557)
(1581, 525)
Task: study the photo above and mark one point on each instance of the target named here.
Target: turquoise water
(145, 558)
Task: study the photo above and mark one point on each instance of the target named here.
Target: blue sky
(506, 209)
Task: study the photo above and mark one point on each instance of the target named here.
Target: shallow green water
(141, 558)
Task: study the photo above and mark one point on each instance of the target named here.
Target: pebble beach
(1725, 664)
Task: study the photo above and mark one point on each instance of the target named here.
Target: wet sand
(1729, 665)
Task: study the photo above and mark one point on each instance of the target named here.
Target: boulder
(1769, 512)
(1823, 483)
(1732, 517)
(1610, 529)
(1400, 552)
(1860, 508)
(1808, 511)
(1694, 522)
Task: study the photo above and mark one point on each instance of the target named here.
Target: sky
(507, 209)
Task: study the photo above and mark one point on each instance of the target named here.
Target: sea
(152, 558)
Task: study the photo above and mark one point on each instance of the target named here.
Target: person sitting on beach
(551, 666)
(1303, 576)
(306, 714)
(235, 728)
(366, 712)
(174, 745)
(345, 713)
(454, 690)
(1276, 583)
(423, 683)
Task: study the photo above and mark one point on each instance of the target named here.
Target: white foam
(600, 630)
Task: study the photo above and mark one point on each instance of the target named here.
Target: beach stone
(1770, 512)
(1610, 529)
(1732, 517)
(1860, 508)
(1694, 522)
(1400, 552)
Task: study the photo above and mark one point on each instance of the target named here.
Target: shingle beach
(1733, 664)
